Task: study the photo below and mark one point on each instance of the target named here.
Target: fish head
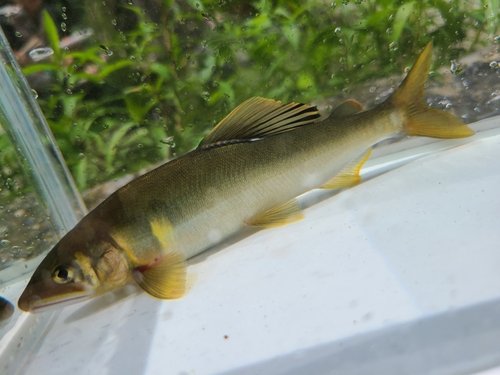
(74, 271)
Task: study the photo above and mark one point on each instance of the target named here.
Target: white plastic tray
(399, 274)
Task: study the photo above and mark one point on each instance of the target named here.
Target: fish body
(247, 171)
(197, 209)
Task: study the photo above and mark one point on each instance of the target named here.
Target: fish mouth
(37, 306)
(42, 296)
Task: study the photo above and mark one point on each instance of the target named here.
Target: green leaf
(52, 34)
(110, 68)
(36, 68)
(80, 172)
(161, 69)
(292, 34)
(114, 141)
(401, 20)
(139, 103)
(493, 11)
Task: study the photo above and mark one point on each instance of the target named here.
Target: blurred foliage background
(156, 75)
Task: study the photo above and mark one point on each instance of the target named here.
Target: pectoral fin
(165, 278)
(284, 214)
(348, 176)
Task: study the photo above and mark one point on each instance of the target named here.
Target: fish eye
(62, 274)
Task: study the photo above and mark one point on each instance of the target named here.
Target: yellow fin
(432, 122)
(165, 278)
(420, 119)
(348, 176)
(284, 214)
(259, 117)
(348, 108)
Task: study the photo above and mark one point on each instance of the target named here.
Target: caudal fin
(420, 119)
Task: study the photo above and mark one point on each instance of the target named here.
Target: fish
(247, 171)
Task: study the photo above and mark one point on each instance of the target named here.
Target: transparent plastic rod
(23, 121)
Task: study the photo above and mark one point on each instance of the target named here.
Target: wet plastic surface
(398, 274)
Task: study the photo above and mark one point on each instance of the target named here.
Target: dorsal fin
(259, 117)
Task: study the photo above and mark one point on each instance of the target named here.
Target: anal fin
(284, 214)
(348, 176)
(165, 278)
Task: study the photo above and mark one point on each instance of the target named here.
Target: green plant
(136, 97)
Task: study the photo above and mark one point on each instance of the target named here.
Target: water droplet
(69, 92)
(168, 141)
(455, 67)
(333, 5)
(64, 16)
(38, 54)
(345, 2)
(106, 50)
(215, 84)
(338, 30)
(393, 47)
(18, 34)
(81, 156)
(63, 26)
(140, 145)
(188, 56)
(493, 64)
(113, 22)
(132, 58)
(15, 251)
(496, 39)
(34, 93)
(477, 109)
(4, 243)
(205, 95)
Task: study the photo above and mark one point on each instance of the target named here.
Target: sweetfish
(247, 171)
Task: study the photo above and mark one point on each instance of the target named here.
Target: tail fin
(420, 119)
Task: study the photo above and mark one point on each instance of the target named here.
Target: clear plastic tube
(23, 121)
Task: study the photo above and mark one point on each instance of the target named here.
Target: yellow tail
(419, 118)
